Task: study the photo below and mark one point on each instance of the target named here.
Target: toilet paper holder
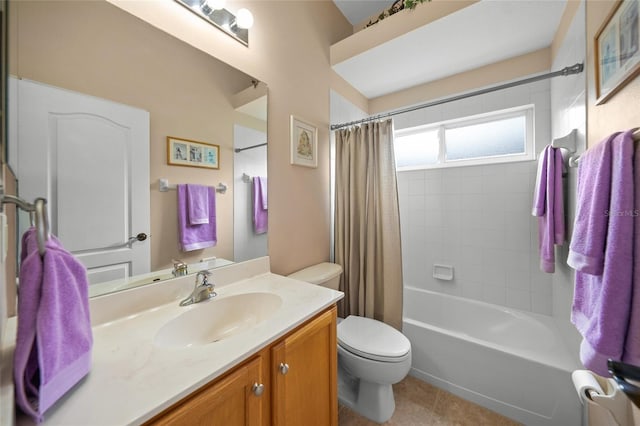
(621, 373)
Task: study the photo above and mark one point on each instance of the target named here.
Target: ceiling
(357, 11)
(486, 32)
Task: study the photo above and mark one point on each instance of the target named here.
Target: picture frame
(617, 49)
(304, 143)
(190, 153)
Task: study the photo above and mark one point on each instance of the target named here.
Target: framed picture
(185, 152)
(617, 50)
(304, 143)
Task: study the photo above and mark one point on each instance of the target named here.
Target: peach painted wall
(620, 112)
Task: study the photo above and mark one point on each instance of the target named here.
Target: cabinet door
(231, 401)
(304, 375)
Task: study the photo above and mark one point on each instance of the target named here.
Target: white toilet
(372, 355)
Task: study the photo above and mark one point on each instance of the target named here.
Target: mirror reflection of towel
(260, 206)
(198, 204)
(196, 236)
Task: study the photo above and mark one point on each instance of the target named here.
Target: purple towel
(198, 204)
(548, 205)
(260, 210)
(54, 338)
(601, 250)
(194, 237)
(631, 353)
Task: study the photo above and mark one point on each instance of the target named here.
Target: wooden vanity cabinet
(298, 374)
(235, 399)
(304, 375)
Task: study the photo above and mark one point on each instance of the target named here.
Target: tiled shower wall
(477, 218)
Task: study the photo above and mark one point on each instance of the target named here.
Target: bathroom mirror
(104, 54)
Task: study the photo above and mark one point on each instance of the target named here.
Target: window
(496, 137)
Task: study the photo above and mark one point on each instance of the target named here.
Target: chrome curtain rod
(249, 147)
(574, 69)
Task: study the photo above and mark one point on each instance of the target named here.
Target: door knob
(140, 237)
(257, 388)
(284, 368)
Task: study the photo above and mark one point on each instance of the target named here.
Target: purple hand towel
(54, 337)
(602, 251)
(631, 353)
(198, 204)
(194, 237)
(260, 211)
(548, 205)
(586, 252)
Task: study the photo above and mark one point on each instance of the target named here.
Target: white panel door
(90, 158)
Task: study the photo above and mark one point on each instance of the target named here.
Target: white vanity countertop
(132, 379)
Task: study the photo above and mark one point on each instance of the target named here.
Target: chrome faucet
(179, 268)
(202, 291)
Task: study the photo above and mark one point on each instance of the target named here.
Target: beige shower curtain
(367, 223)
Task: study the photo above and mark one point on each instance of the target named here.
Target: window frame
(528, 111)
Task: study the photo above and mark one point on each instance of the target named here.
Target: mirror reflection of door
(249, 163)
(89, 158)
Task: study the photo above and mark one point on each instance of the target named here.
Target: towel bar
(163, 186)
(568, 142)
(575, 159)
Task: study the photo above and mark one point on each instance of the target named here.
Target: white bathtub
(516, 363)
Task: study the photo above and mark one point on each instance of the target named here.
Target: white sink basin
(217, 319)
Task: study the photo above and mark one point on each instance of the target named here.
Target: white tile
(416, 186)
(416, 203)
(493, 294)
(517, 238)
(471, 185)
(541, 282)
(472, 290)
(518, 299)
(453, 185)
(433, 235)
(433, 217)
(433, 185)
(517, 279)
(493, 238)
(450, 254)
(493, 276)
(471, 202)
(516, 182)
(541, 303)
(452, 235)
(448, 287)
(493, 218)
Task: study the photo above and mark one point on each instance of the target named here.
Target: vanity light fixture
(214, 12)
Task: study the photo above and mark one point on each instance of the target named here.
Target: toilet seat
(373, 339)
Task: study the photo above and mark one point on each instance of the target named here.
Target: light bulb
(217, 4)
(244, 18)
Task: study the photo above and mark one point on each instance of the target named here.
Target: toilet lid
(372, 339)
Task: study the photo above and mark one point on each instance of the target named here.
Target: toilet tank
(325, 274)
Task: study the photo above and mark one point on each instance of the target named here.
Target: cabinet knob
(257, 388)
(284, 368)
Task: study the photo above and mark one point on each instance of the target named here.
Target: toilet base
(371, 400)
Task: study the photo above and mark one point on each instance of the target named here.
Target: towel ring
(42, 224)
(37, 209)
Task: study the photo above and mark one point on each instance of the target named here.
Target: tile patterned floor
(421, 404)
